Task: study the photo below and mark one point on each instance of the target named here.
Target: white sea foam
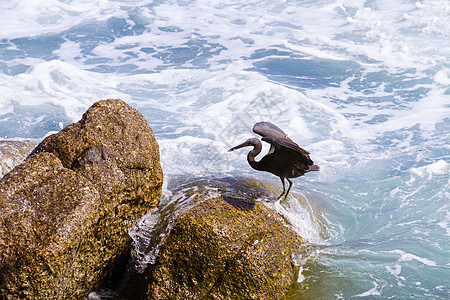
(405, 256)
(314, 52)
(300, 218)
(444, 224)
(442, 77)
(394, 271)
(60, 84)
(28, 18)
(372, 292)
(440, 167)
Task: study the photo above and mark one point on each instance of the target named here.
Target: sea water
(362, 85)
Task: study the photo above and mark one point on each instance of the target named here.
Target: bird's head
(250, 142)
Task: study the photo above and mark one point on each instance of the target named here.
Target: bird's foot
(282, 197)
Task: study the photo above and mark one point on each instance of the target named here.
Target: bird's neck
(255, 165)
(251, 157)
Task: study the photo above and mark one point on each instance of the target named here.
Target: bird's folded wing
(285, 142)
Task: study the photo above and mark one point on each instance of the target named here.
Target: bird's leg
(289, 189)
(284, 189)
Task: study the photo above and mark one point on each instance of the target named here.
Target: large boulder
(66, 210)
(215, 240)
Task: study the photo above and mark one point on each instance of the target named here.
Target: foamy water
(363, 86)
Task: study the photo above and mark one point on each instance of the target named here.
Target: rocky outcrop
(219, 242)
(13, 153)
(66, 210)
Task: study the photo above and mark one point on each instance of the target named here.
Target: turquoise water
(363, 86)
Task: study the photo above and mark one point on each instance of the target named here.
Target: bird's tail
(314, 168)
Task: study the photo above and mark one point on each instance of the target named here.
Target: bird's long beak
(245, 144)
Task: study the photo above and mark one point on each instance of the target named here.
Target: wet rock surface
(13, 153)
(66, 210)
(215, 240)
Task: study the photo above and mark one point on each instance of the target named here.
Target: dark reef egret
(284, 159)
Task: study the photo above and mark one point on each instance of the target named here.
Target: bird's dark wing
(268, 129)
(301, 153)
(274, 135)
(277, 138)
(285, 142)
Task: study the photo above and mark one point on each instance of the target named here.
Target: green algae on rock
(66, 210)
(220, 243)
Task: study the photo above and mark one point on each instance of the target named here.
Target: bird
(284, 159)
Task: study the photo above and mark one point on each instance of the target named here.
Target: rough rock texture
(66, 210)
(13, 153)
(223, 245)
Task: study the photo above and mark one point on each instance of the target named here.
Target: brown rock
(66, 210)
(222, 245)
